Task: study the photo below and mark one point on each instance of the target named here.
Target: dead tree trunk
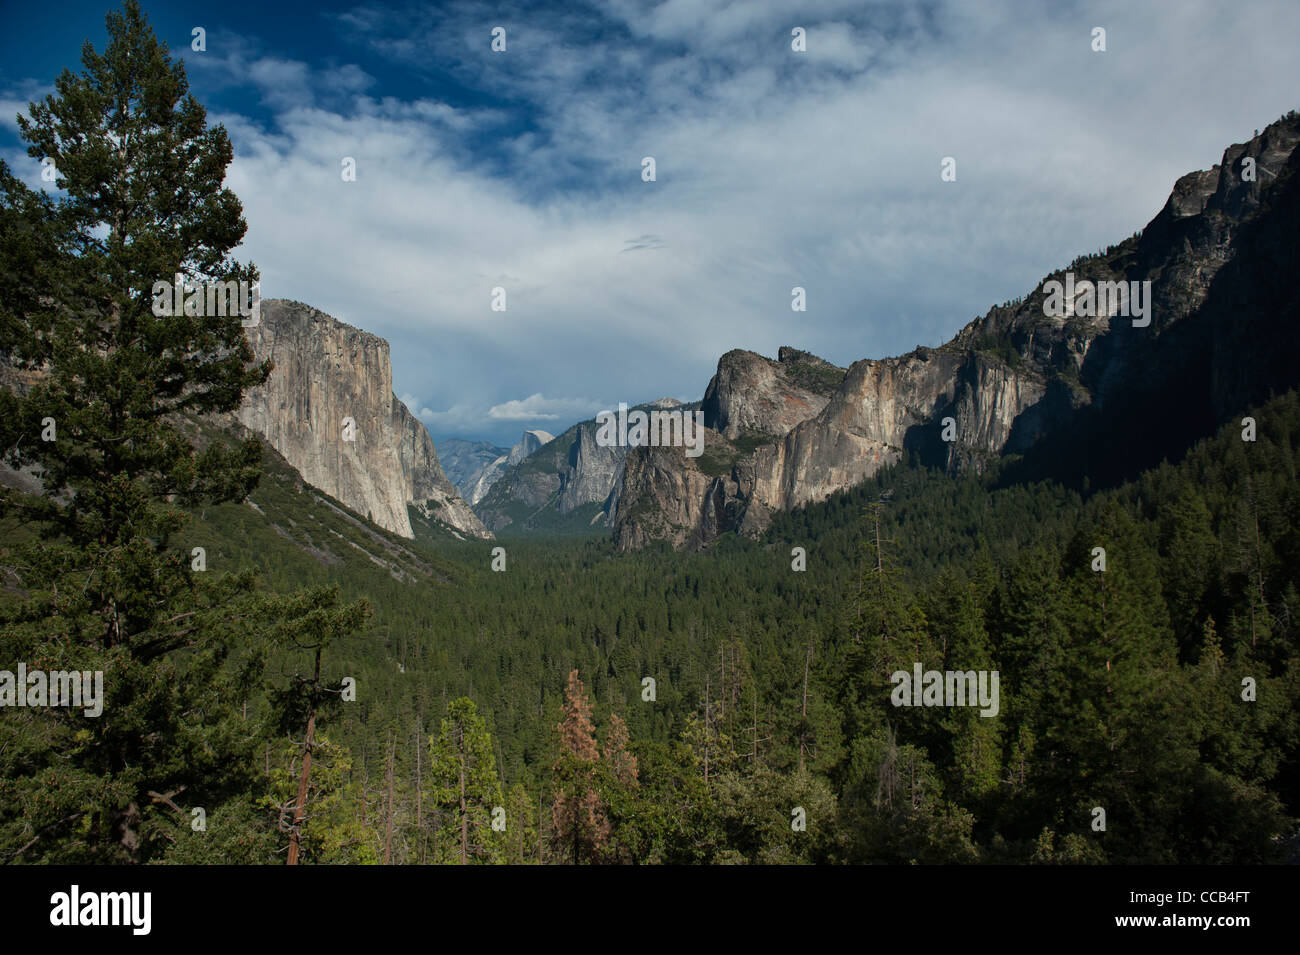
(304, 776)
(419, 794)
(464, 815)
(803, 720)
(388, 821)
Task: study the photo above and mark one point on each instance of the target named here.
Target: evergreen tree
(521, 841)
(621, 789)
(580, 819)
(113, 584)
(887, 631)
(338, 824)
(465, 788)
(974, 740)
(314, 621)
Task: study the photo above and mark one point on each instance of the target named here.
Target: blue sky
(775, 169)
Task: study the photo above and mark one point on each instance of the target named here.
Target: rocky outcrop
(484, 480)
(1095, 394)
(664, 495)
(560, 477)
(465, 461)
(329, 409)
(594, 468)
(427, 487)
(753, 393)
(881, 410)
(476, 485)
(477, 478)
(530, 441)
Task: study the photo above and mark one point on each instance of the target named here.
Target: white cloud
(775, 169)
(460, 420)
(540, 408)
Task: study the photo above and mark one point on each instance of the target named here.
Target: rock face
(485, 478)
(664, 495)
(327, 373)
(753, 393)
(427, 487)
(476, 484)
(530, 442)
(464, 461)
(557, 478)
(1079, 394)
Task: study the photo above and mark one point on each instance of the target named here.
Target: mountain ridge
(1016, 381)
(567, 475)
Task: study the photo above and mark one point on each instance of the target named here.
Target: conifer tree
(464, 787)
(621, 789)
(521, 839)
(618, 758)
(580, 820)
(1108, 715)
(975, 740)
(105, 418)
(886, 632)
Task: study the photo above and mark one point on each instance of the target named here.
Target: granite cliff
(479, 471)
(1095, 391)
(565, 481)
(465, 461)
(329, 409)
(529, 442)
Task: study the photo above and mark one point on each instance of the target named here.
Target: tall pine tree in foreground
(104, 416)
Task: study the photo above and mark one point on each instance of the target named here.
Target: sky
(774, 168)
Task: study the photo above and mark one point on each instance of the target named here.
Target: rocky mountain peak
(752, 393)
(529, 442)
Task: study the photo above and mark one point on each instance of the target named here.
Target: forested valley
(1120, 689)
(288, 682)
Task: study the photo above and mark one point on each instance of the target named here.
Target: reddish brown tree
(621, 782)
(581, 824)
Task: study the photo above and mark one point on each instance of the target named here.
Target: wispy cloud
(540, 408)
(775, 169)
